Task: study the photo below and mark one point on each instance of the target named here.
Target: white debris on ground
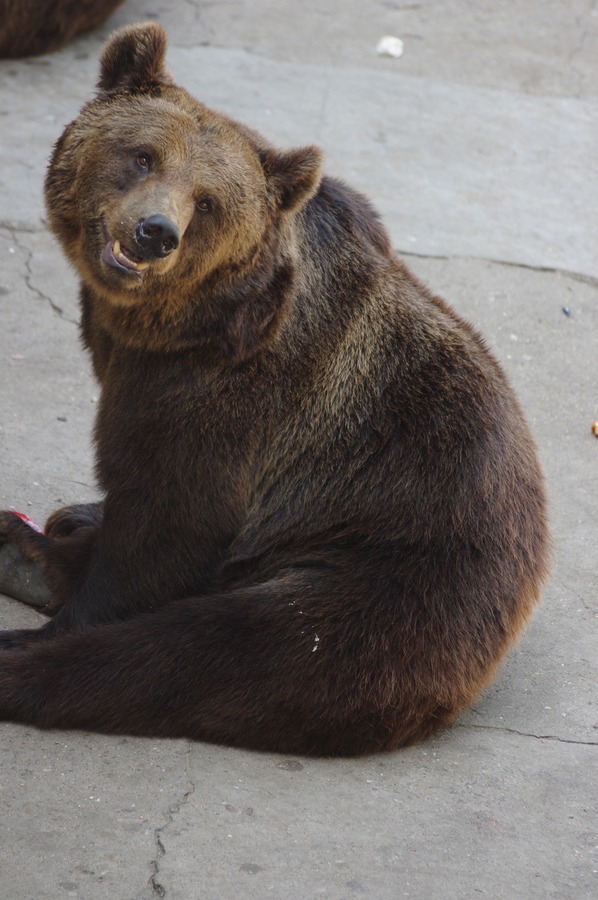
(390, 46)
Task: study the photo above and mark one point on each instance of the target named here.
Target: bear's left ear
(293, 175)
(134, 58)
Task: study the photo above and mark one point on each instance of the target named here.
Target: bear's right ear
(134, 58)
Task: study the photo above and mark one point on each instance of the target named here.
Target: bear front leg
(21, 574)
(145, 556)
(22, 550)
(62, 551)
(41, 569)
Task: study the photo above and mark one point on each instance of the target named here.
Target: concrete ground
(479, 146)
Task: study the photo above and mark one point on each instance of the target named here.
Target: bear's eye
(144, 161)
(205, 205)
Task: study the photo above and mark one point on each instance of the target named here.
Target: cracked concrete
(536, 737)
(478, 145)
(158, 888)
(460, 815)
(28, 254)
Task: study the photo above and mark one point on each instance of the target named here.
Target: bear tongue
(127, 258)
(117, 256)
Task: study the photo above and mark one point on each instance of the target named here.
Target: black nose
(157, 235)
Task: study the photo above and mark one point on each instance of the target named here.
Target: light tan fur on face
(193, 157)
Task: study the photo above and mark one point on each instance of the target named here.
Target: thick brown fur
(30, 27)
(324, 518)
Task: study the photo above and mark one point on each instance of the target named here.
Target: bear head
(153, 195)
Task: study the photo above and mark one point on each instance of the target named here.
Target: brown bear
(324, 518)
(29, 27)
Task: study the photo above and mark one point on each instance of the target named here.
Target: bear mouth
(120, 257)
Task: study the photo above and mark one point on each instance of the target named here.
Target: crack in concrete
(29, 275)
(11, 227)
(566, 273)
(587, 604)
(158, 889)
(539, 737)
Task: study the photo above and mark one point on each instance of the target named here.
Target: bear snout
(157, 236)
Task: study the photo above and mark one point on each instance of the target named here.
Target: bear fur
(30, 27)
(324, 518)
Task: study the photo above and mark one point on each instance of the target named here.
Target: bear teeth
(126, 260)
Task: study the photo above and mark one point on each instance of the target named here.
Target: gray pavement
(479, 146)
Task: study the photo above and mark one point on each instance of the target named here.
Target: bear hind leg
(247, 667)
